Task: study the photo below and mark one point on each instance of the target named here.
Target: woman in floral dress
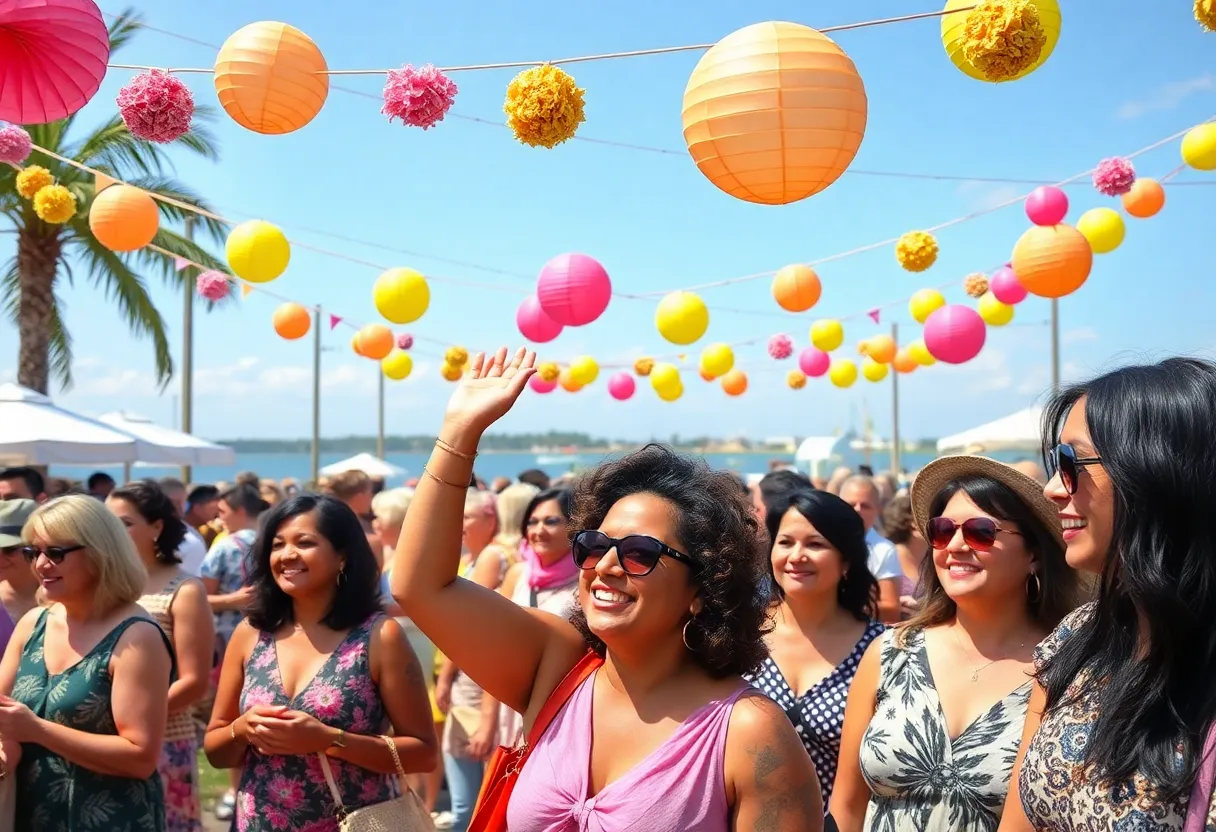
(317, 669)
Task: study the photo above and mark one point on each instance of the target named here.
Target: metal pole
(1055, 345)
(316, 395)
(380, 417)
(895, 440)
(187, 372)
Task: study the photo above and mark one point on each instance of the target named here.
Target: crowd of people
(988, 647)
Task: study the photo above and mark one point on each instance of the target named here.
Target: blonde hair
(348, 484)
(512, 502)
(390, 507)
(86, 521)
(480, 500)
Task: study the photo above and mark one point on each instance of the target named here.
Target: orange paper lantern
(124, 218)
(1052, 261)
(797, 288)
(374, 341)
(735, 383)
(774, 113)
(904, 361)
(271, 78)
(1145, 199)
(292, 321)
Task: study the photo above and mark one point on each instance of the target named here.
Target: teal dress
(55, 795)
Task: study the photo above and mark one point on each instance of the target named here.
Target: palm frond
(153, 261)
(123, 27)
(174, 189)
(60, 347)
(112, 149)
(10, 290)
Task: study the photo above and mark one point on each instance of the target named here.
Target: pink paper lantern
(53, 56)
(539, 385)
(534, 324)
(1046, 205)
(1006, 287)
(621, 386)
(955, 334)
(573, 289)
(814, 362)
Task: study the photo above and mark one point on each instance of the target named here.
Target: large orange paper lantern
(123, 218)
(774, 113)
(374, 341)
(271, 78)
(796, 288)
(292, 321)
(1052, 261)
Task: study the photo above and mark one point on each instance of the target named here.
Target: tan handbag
(401, 814)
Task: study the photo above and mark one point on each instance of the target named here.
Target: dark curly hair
(153, 504)
(717, 526)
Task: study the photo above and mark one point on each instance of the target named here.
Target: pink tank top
(679, 787)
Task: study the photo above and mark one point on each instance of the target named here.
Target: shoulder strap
(562, 693)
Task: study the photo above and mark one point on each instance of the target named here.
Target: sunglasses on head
(639, 554)
(1063, 460)
(979, 533)
(55, 554)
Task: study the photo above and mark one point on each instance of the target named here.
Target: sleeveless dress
(55, 795)
(280, 792)
(818, 715)
(178, 764)
(679, 787)
(920, 778)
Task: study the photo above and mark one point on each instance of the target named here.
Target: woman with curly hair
(662, 731)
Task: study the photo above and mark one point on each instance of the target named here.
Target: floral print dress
(280, 793)
(920, 778)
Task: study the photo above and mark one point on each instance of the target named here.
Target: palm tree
(48, 254)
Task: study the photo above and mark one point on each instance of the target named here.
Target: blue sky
(465, 201)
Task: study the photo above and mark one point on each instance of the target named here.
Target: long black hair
(1149, 647)
(358, 593)
(153, 504)
(840, 526)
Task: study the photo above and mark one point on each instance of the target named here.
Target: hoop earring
(684, 635)
(1034, 588)
(341, 581)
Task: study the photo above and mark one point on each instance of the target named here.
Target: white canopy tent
(819, 455)
(165, 446)
(33, 431)
(1016, 432)
(373, 466)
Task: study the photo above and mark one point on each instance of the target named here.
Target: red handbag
(490, 814)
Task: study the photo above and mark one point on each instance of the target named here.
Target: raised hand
(490, 388)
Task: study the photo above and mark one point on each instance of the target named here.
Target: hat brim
(7, 541)
(931, 479)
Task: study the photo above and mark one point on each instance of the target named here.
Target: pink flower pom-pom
(1114, 177)
(156, 107)
(404, 341)
(212, 285)
(15, 145)
(780, 346)
(419, 97)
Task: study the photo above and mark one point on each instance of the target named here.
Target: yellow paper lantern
(397, 365)
(993, 311)
(954, 37)
(1104, 229)
(904, 361)
(401, 295)
(717, 360)
(842, 373)
(920, 354)
(292, 321)
(796, 379)
(451, 372)
(774, 113)
(665, 377)
(670, 394)
(734, 383)
(873, 371)
(258, 252)
(271, 78)
(827, 334)
(924, 303)
(880, 348)
(682, 318)
(584, 370)
(375, 341)
(124, 218)
(568, 382)
(1199, 147)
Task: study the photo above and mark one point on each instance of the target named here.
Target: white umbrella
(1016, 432)
(33, 431)
(373, 466)
(165, 446)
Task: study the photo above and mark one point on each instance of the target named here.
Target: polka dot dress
(818, 715)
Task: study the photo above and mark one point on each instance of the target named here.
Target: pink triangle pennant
(334, 320)
(874, 314)
(180, 264)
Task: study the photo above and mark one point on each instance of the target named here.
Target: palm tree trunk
(37, 264)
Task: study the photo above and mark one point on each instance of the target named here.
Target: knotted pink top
(680, 786)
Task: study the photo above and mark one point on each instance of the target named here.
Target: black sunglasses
(1063, 460)
(979, 533)
(639, 554)
(547, 522)
(55, 554)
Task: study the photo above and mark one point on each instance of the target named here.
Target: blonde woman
(99, 737)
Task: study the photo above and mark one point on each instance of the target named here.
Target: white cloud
(1168, 96)
(1079, 335)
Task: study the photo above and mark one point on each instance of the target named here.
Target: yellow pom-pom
(451, 372)
(32, 180)
(916, 251)
(54, 204)
(544, 106)
(643, 366)
(795, 379)
(975, 285)
(548, 371)
(1003, 38)
(1205, 13)
(456, 357)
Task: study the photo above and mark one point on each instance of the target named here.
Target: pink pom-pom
(404, 341)
(419, 97)
(780, 346)
(1114, 177)
(156, 107)
(212, 285)
(15, 145)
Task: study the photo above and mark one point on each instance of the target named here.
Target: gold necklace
(975, 676)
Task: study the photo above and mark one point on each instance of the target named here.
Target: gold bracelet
(232, 729)
(444, 446)
(427, 471)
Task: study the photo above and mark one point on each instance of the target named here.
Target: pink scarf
(559, 573)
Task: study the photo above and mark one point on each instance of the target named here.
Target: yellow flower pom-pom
(1003, 38)
(544, 106)
(795, 379)
(1205, 13)
(54, 204)
(32, 180)
(643, 366)
(456, 357)
(451, 372)
(548, 371)
(916, 251)
(975, 285)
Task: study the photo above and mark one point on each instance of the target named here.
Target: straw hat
(937, 474)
